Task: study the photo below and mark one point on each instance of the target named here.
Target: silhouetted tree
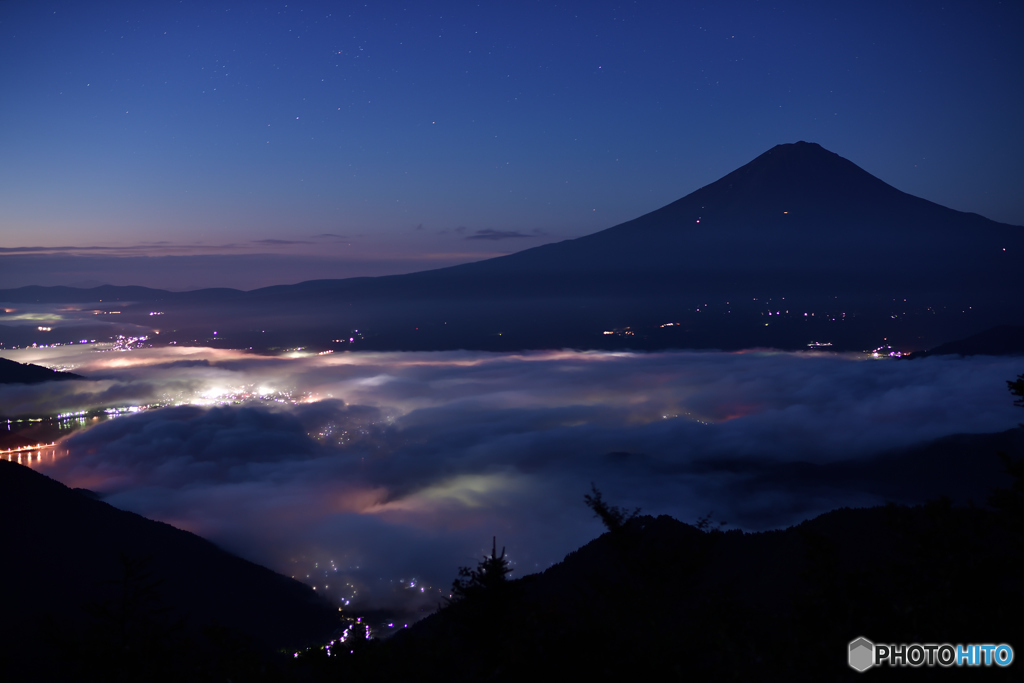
(1017, 389)
(613, 517)
(487, 579)
(705, 523)
(482, 630)
(1010, 502)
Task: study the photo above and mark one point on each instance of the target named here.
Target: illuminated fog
(405, 464)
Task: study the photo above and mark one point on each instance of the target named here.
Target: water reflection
(36, 441)
(32, 456)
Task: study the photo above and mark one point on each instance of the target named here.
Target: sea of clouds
(387, 466)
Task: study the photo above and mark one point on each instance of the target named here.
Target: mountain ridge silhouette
(798, 223)
(65, 551)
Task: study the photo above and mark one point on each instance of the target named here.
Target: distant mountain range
(799, 245)
(1004, 340)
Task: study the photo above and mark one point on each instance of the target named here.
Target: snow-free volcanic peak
(798, 224)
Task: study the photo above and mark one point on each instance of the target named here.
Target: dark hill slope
(1004, 340)
(666, 600)
(62, 566)
(109, 294)
(12, 372)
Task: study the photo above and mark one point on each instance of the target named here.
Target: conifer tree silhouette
(490, 576)
(614, 517)
(1010, 501)
(1017, 389)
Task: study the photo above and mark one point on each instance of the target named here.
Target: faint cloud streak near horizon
(497, 235)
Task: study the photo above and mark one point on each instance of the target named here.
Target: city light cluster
(122, 343)
(886, 351)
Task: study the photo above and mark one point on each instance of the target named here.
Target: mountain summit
(799, 224)
(799, 212)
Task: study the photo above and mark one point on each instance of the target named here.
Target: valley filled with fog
(374, 476)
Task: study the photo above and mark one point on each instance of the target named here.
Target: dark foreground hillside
(97, 594)
(12, 372)
(90, 592)
(658, 599)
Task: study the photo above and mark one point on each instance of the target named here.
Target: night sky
(248, 144)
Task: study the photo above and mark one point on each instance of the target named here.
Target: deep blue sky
(384, 137)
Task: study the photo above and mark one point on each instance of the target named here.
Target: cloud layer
(405, 464)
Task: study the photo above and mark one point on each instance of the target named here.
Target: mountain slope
(798, 233)
(658, 598)
(63, 555)
(796, 212)
(1005, 340)
(12, 372)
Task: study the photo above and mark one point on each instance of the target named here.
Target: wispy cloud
(148, 248)
(280, 243)
(489, 234)
(164, 247)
